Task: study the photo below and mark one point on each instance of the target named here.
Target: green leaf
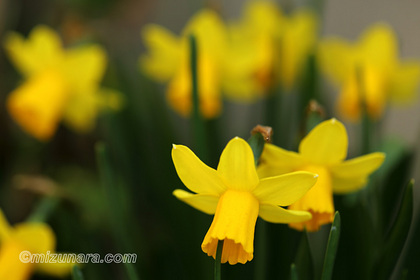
(331, 248)
(394, 242)
(256, 142)
(393, 187)
(293, 272)
(76, 273)
(303, 261)
(199, 127)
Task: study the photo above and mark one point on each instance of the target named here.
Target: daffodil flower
(16, 243)
(368, 72)
(322, 151)
(59, 84)
(236, 197)
(168, 60)
(278, 45)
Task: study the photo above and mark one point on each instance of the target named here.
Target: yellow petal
(276, 214)
(348, 185)
(234, 222)
(318, 200)
(81, 110)
(355, 171)
(405, 82)
(378, 45)
(285, 189)
(263, 16)
(349, 103)
(40, 51)
(164, 52)
(84, 66)
(325, 144)
(11, 267)
(337, 58)
(210, 33)
(204, 203)
(179, 92)
(35, 237)
(297, 42)
(195, 175)
(61, 269)
(275, 161)
(359, 166)
(5, 228)
(38, 105)
(237, 167)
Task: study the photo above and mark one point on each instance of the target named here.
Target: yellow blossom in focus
(368, 72)
(36, 238)
(322, 151)
(58, 84)
(168, 60)
(236, 196)
(275, 47)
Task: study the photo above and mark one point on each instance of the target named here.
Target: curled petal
(285, 189)
(276, 214)
(358, 167)
(202, 202)
(275, 161)
(35, 237)
(164, 52)
(196, 175)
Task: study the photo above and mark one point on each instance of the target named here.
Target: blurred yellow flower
(277, 45)
(168, 60)
(368, 72)
(59, 84)
(36, 238)
(322, 151)
(236, 196)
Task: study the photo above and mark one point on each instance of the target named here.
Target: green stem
(199, 130)
(261, 247)
(274, 116)
(218, 261)
(43, 209)
(366, 126)
(115, 214)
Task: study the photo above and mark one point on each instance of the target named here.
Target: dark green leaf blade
(331, 248)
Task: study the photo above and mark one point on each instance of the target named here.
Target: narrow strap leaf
(331, 248)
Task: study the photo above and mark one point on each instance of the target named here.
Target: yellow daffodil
(322, 151)
(59, 84)
(368, 72)
(278, 45)
(236, 196)
(16, 245)
(168, 60)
